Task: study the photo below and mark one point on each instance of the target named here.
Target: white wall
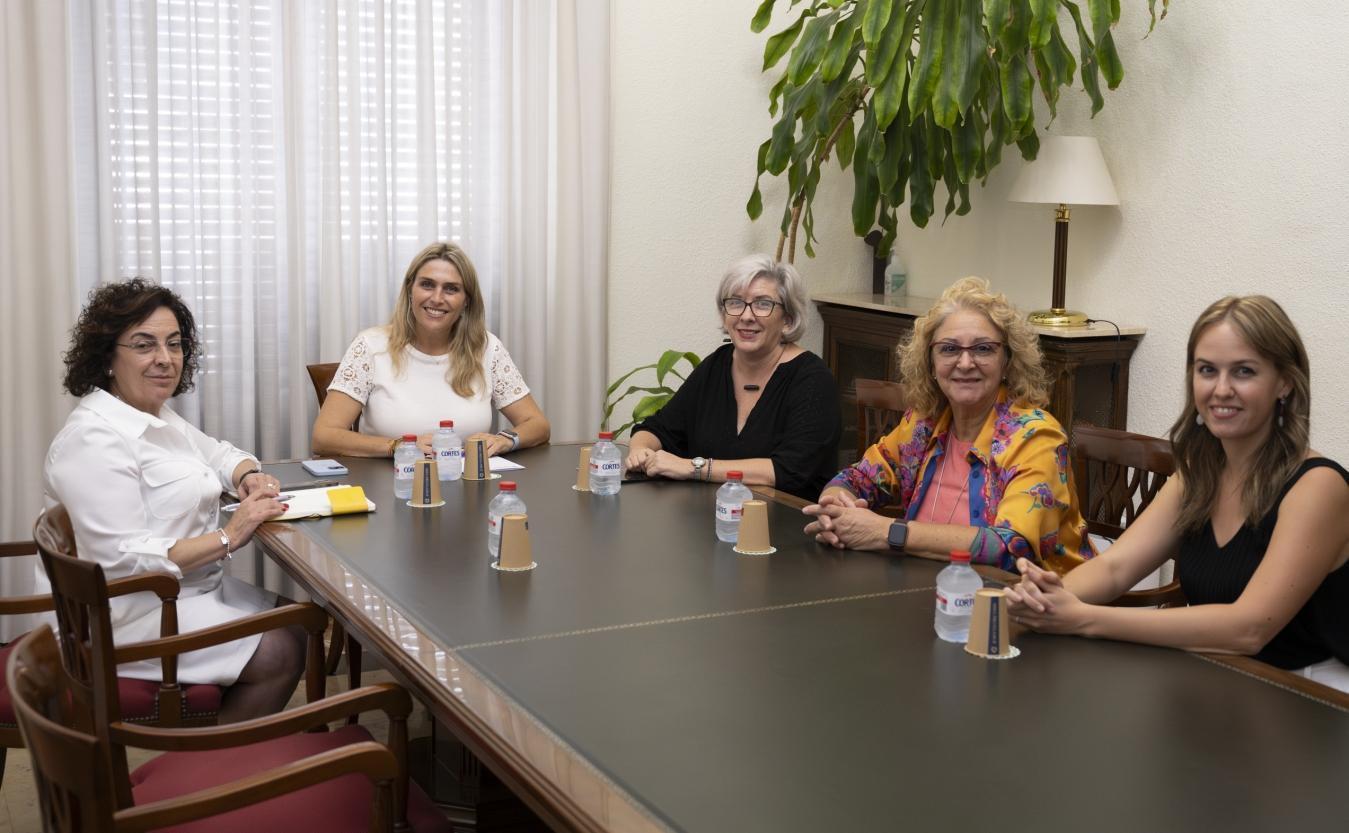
(1226, 142)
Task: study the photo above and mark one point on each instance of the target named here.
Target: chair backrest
(880, 405)
(322, 376)
(1118, 474)
(70, 766)
(80, 594)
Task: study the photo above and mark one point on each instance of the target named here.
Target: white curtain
(37, 295)
(279, 163)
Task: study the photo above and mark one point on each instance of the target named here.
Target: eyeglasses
(149, 347)
(763, 307)
(948, 352)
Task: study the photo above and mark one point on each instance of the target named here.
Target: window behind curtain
(277, 165)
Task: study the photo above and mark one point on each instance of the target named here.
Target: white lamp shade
(1069, 170)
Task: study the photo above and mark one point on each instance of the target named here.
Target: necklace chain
(941, 475)
(772, 366)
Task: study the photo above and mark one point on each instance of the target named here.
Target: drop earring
(1280, 417)
(1198, 418)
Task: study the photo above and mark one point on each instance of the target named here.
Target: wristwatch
(899, 535)
(699, 463)
(512, 436)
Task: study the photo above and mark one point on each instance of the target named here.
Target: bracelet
(393, 445)
(707, 470)
(225, 539)
(245, 475)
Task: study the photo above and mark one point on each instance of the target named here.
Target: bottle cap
(447, 423)
(409, 438)
(606, 435)
(508, 485)
(735, 475)
(960, 557)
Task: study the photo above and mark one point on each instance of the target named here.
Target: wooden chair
(162, 703)
(880, 405)
(203, 773)
(1118, 474)
(321, 375)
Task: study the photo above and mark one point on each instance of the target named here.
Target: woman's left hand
(255, 481)
(1041, 602)
(493, 443)
(847, 524)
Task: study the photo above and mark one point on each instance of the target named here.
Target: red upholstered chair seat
(337, 805)
(138, 698)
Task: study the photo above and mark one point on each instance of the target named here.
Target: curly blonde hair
(1025, 378)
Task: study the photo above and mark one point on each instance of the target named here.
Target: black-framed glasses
(762, 307)
(983, 352)
(149, 346)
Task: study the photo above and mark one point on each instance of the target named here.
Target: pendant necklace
(773, 366)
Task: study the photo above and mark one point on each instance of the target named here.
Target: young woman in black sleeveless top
(1259, 521)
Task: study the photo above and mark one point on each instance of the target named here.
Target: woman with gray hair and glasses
(761, 404)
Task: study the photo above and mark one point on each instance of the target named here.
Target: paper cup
(988, 626)
(753, 536)
(477, 465)
(514, 555)
(583, 471)
(426, 485)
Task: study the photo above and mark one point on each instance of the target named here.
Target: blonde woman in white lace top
(434, 360)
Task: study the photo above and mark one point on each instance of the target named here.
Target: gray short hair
(791, 289)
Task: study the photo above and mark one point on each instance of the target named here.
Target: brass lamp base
(1058, 318)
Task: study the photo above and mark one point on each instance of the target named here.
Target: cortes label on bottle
(451, 453)
(405, 470)
(729, 511)
(955, 604)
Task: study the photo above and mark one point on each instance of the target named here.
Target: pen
(230, 507)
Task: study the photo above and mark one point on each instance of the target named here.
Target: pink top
(948, 498)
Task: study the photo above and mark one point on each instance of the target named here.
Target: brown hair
(114, 308)
(1026, 380)
(1200, 458)
(468, 339)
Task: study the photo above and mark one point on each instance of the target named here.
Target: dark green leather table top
(806, 690)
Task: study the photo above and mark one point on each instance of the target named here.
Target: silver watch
(699, 463)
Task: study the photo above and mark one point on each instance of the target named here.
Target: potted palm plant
(912, 93)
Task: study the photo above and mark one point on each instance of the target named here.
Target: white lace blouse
(416, 400)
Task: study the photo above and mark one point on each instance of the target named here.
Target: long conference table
(645, 677)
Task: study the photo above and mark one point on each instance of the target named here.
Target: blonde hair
(1025, 377)
(1200, 458)
(468, 338)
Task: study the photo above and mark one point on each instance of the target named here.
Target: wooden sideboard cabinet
(1088, 366)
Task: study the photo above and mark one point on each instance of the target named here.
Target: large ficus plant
(915, 92)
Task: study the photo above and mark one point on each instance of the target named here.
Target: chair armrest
(162, 585)
(367, 758)
(386, 697)
(309, 616)
(17, 605)
(10, 549)
(1169, 595)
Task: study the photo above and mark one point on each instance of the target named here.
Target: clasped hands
(659, 463)
(1041, 602)
(843, 521)
(493, 444)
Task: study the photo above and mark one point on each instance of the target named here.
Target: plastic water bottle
(507, 502)
(731, 499)
(956, 586)
(606, 466)
(404, 464)
(449, 449)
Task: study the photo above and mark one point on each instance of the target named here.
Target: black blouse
(1210, 574)
(795, 423)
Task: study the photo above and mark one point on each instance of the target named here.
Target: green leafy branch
(655, 395)
(912, 93)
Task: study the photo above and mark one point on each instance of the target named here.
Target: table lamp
(1069, 170)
